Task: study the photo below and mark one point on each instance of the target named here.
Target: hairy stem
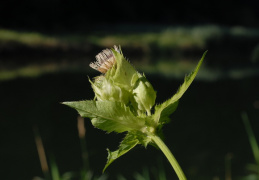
(169, 156)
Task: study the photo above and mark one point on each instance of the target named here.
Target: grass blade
(251, 136)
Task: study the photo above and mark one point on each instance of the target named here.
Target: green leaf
(129, 142)
(108, 115)
(163, 111)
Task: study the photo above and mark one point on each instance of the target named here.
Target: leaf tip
(65, 103)
(204, 54)
(108, 161)
(70, 104)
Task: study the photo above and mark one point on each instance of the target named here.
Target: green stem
(169, 156)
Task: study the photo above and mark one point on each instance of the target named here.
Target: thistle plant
(125, 102)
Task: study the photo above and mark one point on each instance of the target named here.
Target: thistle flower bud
(106, 90)
(113, 65)
(121, 82)
(144, 95)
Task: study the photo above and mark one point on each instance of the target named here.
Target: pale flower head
(105, 60)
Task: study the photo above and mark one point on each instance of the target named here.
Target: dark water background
(41, 43)
(206, 127)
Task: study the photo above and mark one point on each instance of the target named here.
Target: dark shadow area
(204, 129)
(45, 50)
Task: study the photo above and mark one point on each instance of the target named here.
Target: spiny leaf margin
(163, 110)
(129, 142)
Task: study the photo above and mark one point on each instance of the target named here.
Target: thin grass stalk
(251, 137)
(41, 153)
(85, 156)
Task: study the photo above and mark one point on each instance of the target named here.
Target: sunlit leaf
(168, 107)
(129, 142)
(108, 115)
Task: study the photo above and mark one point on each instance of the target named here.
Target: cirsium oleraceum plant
(125, 102)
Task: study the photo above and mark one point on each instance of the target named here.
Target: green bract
(106, 89)
(144, 96)
(123, 102)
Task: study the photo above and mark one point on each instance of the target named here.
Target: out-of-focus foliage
(152, 40)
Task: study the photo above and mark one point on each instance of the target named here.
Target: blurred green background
(45, 51)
